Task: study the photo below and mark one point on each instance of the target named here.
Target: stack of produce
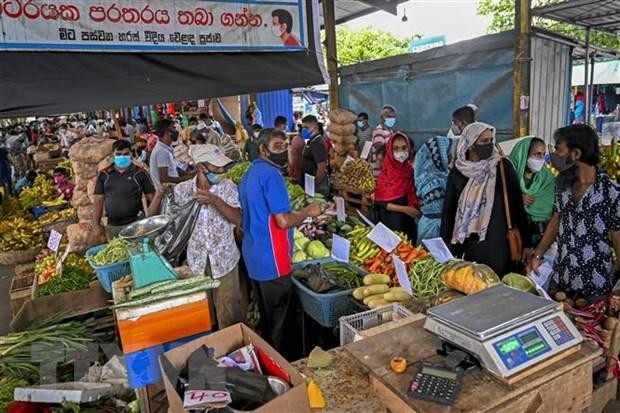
(425, 278)
(342, 134)
(383, 263)
(610, 160)
(376, 291)
(11, 207)
(357, 175)
(294, 191)
(46, 152)
(165, 290)
(237, 172)
(54, 340)
(41, 191)
(46, 268)
(53, 217)
(305, 250)
(328, 277)
(304, 200)
(88, 156)
(18, 234)
(468, 277)
(117, 250)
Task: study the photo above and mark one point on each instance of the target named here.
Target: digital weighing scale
(507, 330)
(147, 266)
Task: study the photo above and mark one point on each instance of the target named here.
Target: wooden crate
(355, 200)
(21, 290)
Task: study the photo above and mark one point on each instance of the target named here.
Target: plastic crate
(107, 274)
(324, 308)
(350, 325)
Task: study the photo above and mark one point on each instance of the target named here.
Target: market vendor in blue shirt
(268, 223)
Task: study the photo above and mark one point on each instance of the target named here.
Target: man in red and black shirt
(282, 26)
(120, 188)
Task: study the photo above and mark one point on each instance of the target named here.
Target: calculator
(435, 383)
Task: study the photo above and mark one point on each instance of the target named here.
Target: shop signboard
(154, 25)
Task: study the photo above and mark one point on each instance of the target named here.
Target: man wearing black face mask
(268, 222)
(586, 222)
(163, 167)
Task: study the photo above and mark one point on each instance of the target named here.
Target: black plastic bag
(173, 241)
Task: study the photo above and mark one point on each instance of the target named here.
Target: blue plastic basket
(324, 308)
(107, 274)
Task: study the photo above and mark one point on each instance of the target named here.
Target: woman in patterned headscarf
(432, 163)
(474, 215)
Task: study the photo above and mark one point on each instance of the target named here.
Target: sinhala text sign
(153, 25)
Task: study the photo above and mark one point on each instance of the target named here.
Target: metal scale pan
(492, 311)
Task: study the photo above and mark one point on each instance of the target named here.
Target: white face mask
(276, 29)
(401, 156)
(535, 164)
(455, 130)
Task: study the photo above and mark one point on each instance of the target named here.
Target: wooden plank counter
(565, 386)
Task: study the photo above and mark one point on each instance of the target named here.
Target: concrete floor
(6, 274)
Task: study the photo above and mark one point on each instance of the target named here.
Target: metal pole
(329, 23)
(586, 80)
(522, 68)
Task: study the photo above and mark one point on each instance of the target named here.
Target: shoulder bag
(514, 237)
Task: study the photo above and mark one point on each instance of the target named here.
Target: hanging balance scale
(147, 265)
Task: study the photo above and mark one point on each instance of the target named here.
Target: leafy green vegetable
(72, 279)
(115, 251)
(237, 172)
(7, 389)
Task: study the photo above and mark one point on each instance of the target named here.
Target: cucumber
(376, 289)
(396, 296)
(373, 297)
(358, 293)
(380, 302)
(371, 279)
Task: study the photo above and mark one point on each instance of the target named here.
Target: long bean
(425, 278)
(117, 250)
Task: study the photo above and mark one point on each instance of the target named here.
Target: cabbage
(298, 234)
(299, 256)
(316, 250)
(301, 244)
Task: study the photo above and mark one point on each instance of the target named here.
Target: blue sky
(457, 19)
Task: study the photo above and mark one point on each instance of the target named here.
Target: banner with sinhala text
(153, 25)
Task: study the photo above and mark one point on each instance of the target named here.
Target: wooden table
(565, 386)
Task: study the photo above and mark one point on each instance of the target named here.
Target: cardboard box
(224, 342)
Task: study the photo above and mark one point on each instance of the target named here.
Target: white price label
(340, 209)
(341, 248)
(194, 398)
(366, 150)
(53, 243)
(309, 184)
(438, 249)
(384, 237)
(401, 273)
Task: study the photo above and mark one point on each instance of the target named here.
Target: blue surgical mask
(390, 122)
(360, 124)
(306, 133)
(213, 178)
(122, 161)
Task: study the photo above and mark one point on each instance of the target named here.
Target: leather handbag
(513, 235)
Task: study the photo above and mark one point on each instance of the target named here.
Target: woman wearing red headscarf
(396, 203)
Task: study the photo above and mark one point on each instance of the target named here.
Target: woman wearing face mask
(586, 221)
(396, 203)
(64, 186)
(473, 220)
(250, 151)
(212, 250)
(537, 183)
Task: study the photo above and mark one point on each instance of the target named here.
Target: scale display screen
(521, 347)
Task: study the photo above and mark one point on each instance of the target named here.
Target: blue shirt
(267, 249)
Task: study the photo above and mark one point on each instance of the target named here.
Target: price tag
(62, 259)
(401, 273)
(341, 247)
(309, 184)
(366, 150)
(194, 398)
(54, 240)
(384, 237)
(346, 161)
(366, 220)
(340, 210)
(438, 249)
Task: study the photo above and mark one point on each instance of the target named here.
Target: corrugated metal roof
(602, 15)
(346, 10)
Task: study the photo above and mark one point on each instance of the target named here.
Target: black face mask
(484, 151)
(561, 163)
(280, 159)
(174, 135)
